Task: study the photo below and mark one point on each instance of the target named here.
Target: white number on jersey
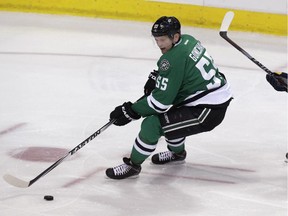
(208, 70)
(161, 83)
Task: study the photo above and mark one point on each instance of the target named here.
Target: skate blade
(131, 177)
(170, 163)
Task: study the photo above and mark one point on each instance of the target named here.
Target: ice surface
(61, 76)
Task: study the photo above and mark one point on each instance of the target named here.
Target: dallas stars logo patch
(164, 65)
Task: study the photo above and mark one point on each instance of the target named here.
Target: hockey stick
(12, 180)
(223, 33)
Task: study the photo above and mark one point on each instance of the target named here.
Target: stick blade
(12, 180)
(227, 21)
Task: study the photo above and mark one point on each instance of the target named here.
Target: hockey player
(187, 95)
(278, 81)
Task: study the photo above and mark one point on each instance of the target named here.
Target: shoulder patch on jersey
(164, 65)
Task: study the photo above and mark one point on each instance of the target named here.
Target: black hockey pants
(185, 121)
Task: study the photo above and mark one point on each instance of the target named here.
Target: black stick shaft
(224, 35)
(24, 184)
(73, 151)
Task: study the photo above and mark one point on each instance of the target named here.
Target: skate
(126, 170)
(168, 157)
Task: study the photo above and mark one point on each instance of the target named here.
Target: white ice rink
(61, 76)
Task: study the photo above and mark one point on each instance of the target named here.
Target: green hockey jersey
(186, 72)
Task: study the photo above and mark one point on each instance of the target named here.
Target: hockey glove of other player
(150, 84)
(124, 114)
(278, 80)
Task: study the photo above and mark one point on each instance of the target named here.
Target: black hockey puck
(287, 155)
(48, 197)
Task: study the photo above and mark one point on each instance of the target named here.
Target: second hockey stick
(223, 33)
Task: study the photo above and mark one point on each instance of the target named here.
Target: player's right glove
(124, 114)
(278, 80)
(151, 82)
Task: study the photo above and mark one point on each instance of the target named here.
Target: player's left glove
(150, 84)
(124, 114)
(278, 80)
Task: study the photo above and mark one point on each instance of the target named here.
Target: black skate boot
(126, 170)
(168, 157)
